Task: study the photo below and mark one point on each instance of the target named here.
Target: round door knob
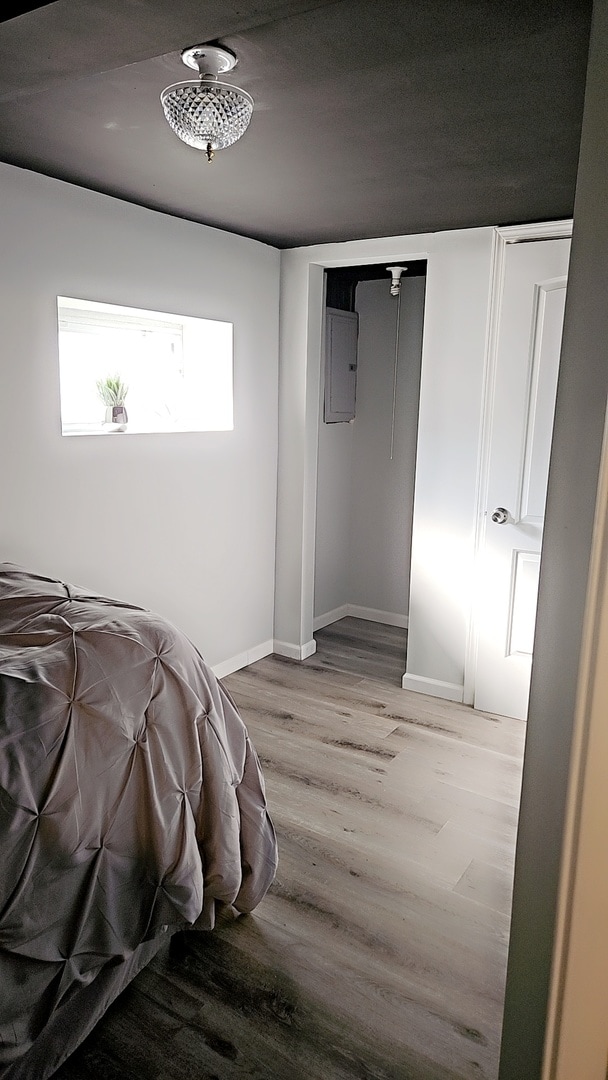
(500, 515)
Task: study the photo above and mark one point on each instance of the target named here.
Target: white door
(528, 317)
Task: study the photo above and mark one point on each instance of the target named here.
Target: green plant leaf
(112, 390)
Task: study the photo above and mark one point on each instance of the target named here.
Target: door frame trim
(503, 237)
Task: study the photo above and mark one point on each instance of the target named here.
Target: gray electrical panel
(341, 336)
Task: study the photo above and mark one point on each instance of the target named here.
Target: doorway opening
(369, 402)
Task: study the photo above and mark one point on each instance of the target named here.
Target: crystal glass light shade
(207, 114)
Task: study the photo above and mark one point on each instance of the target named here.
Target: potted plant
(113, 391)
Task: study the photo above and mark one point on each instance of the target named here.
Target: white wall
(383, 488)
(184, 523)
(333, 525)
(456, 304)
(365, 498)
(453, 365)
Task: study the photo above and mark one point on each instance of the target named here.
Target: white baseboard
(243, 659)
(389, 618)
(295, 652)
(433, 687)
(330, 616)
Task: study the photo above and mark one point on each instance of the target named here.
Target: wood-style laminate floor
(380, 951)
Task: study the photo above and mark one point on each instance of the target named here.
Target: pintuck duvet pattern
(131, 798)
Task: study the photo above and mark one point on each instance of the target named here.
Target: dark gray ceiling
(373, 117)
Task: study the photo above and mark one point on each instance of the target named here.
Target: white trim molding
(242, 660)
(389, 618)
(434, 687)
(329, 617)
(295, 652)
(357, 611)
(543, 230)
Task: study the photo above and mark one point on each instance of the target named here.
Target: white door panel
(547, 323)
(528, 344)
(524, 594)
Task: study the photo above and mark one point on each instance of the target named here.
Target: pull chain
(395, 372)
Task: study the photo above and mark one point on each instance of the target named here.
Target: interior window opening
(131, 371)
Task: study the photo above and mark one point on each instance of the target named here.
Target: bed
(132, 804)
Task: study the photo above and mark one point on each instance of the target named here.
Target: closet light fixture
(207, 114)
(396, 272)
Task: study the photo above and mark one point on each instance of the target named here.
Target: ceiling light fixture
(207, 114)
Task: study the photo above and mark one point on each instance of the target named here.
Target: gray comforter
(131, 798)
